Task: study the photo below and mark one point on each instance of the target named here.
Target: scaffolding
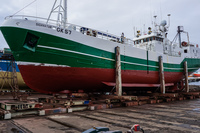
(9, 75)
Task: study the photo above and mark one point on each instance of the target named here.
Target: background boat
(6, 70)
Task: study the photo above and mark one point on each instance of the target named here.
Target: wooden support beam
(161, 74)
(118, 72)
(186, 76)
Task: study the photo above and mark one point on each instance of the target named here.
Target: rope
(24, 7)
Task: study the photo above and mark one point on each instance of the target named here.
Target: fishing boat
(54, 55)
(196, 73)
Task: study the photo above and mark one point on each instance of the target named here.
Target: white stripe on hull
(39, 64)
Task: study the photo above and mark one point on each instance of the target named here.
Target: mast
(59, 8)
(65, 13)
(59, 13)
(180, 29)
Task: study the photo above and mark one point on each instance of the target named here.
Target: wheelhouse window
(158, 39)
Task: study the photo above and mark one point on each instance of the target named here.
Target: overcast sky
(115, 16)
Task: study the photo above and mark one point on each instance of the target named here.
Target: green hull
(60, 51)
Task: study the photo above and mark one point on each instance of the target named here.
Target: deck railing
(84, 30)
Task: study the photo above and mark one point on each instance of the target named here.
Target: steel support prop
(186, 76)
(161, 74)
(118, 72)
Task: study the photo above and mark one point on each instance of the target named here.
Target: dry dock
(172, 117)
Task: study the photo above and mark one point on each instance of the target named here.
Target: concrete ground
(172, 117)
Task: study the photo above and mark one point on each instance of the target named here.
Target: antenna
(134, 31)
(155, 17)
(151, 13)
(160, 11)
(168, 20)
(155, 24)
(144, 32)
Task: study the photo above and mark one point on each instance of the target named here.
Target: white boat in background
(195, 74)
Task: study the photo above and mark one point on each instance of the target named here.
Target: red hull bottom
(48, 79)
